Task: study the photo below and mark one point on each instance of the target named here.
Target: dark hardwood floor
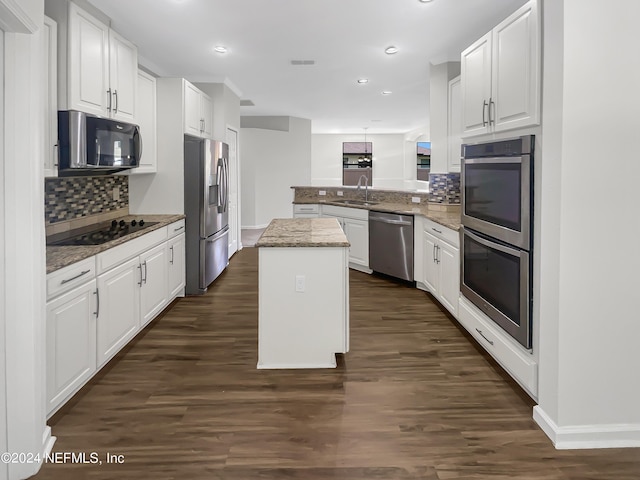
(413, 399)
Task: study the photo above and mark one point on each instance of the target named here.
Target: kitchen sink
(354, 202)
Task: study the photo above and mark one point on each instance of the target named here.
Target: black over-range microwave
(497, 231)
(91, 145)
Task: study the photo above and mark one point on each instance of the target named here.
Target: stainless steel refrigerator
(206, 202)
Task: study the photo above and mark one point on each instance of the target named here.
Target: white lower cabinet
(89, 318)
(153, 291)
(306, 210)
(357, 232)
(437, 262)
(355, 224)
(176, 262)
(119, 308)
(71, 343)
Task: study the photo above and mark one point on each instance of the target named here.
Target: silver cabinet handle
(438, 254)
(436, 230)
(140, 282)
(171, 249)
(109, 100)
(67, 280)
(56, 154)
(115, 103)
(178, 229)
(482, 335)
(491, 102)
(144, 264)
(484, 106)
(435, 256)
(97, 294)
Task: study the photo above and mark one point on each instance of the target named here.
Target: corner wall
(272, 162)
(589, 385)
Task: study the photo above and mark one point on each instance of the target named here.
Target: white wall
(24, 272)
(590, 388)
(272, 162)
(388, 159)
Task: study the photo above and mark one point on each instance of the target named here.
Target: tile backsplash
(69, 198)
(444, 188)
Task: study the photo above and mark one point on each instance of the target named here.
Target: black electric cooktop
(97, 235)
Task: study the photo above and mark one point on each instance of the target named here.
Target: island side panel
(302, 329)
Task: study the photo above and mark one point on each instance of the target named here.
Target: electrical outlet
(415, 199)
(116, 193)
(339, 193)
(322, 193)
(300, 281)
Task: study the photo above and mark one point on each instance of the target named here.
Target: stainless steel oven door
(496, 198)
(496, 278)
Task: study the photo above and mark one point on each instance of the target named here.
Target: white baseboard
(254, 227)
(588, 436)
(294, 366)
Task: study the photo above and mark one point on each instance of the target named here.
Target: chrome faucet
(366, 186)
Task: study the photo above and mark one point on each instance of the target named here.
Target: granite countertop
(434, 212)
(303, 232)
(61, 256)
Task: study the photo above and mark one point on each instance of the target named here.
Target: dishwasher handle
(389, 221)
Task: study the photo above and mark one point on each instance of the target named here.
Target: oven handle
(493, 245)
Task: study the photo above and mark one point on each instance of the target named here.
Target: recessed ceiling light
(387, 92)
(220, 49)
(425, 1)
(363, 80)
(391, 50)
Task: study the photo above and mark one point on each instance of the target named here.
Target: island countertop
(303, 232)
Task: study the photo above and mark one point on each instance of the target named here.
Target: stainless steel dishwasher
(391, 244)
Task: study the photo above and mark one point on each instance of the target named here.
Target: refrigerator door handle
(225, 192)
(219, 174)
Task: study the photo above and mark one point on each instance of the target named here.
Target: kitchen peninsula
(303, 285)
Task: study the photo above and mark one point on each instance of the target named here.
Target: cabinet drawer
(176, 228)
(306, 208)
(518, 363)
(443, 233)
(68, 278)
(116, 255)
(346, 212)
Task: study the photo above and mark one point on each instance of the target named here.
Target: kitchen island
(303, 290)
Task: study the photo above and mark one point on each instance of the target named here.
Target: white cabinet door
(516, 65)
(119, 308)
(454, 126)
(153, 291)
(476, 86)
(357, 232)
(430, 268)
(206, 111)
(71, 343)
(123, 73)
(449, 263)
(192, 118)
(146, 119)
(89, 89)
(50, 92)
(501, 76)
(176, 259)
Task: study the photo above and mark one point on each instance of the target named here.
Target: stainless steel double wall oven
(497, 232)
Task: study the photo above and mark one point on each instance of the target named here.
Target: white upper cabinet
(123, 75)
(50, 95)
(501, 76)
(454, 125)
(102, 68)
(198, 112)
(475, 67)
(146, 120)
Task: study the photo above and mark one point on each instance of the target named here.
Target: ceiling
(345, 38)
